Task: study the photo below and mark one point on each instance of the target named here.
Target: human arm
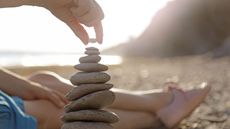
(16, 85)
(75, 13)
(12, 3)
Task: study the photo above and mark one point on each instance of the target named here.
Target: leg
(135, 120)
(52, 80)
(160, 103)
(48, 116)
(142, 101)
(148, 101)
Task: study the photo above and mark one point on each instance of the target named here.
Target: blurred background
(34, 30)
(146, 43)
(160, 28)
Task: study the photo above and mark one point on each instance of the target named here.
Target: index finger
(98, 31)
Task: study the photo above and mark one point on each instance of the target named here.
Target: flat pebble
(91, 48)
(91, 115)
(92, 52)
(95, 100)
(90, 59)
(86, 125)
(91, 67)
(84, 89)
(89, 78)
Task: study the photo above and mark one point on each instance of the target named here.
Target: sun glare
(36, 29)
(127, 18)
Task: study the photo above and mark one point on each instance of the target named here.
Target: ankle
(159, 100)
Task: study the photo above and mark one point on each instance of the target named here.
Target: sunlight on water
(50, 60)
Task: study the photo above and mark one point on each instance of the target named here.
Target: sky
(35, 29)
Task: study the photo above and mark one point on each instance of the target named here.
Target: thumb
(78, 30)
(67, 17)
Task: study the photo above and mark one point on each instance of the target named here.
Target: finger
(67, 17)
(79, 31)
(91, 15)
(61, 97)
(55, 100)
(84, 18)
(99, 32)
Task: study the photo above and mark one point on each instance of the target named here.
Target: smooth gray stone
(91, 48)
(89, 78)
(92, 52)
(84, 89)
(95, 100)
(91, 115)
(91, 67)
(92, 40)
(90, 59)
(86, 125)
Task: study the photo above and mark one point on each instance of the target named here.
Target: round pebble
(91, 67)
(91, 115)
(90, 59)
(91, 48)
(92, 40)
(89, 78)
(92, 52)
(84, 89)
(86, 125)
(95, 100)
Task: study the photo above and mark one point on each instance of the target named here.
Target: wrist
(17, 3)
(33, 2)
(9, 3)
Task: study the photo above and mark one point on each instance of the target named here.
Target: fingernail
(99, 41)
(84, 41)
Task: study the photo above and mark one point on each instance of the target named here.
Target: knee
(42, 76)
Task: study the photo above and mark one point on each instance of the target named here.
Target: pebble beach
(190, 71)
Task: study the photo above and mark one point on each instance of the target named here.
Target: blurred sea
(26, 59)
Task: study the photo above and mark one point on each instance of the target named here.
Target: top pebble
(91, 48)
(92, 52)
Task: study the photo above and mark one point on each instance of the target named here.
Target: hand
(16, 85)
(77, 12)
(35, 92)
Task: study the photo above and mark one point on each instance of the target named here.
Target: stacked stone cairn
(90, 96)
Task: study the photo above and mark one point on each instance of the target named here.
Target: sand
(144, 74)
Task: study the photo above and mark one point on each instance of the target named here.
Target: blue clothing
(12, 114)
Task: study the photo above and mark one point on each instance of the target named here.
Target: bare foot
(182, 105)
(164, 95)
